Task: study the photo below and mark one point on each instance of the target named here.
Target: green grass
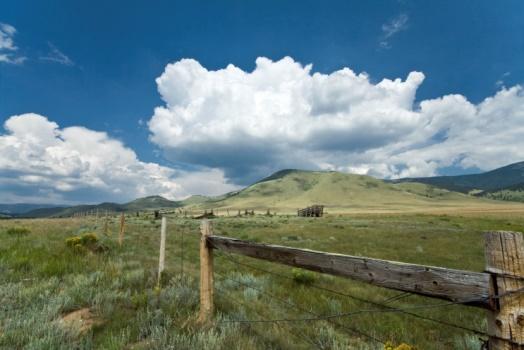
(42, 279)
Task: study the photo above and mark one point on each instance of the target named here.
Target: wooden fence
(312, 211)
(498, 290)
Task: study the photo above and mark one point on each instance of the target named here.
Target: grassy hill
(151, 202)
(288, 190)
(497, 179)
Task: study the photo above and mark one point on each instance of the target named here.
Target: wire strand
(302, 336)
(293, 305)
(389, 308)
(363, 300)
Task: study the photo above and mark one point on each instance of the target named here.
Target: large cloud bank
(283, 115)
(42, 162)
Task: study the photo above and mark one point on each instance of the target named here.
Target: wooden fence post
(122, 229)
(206, 274)
(162, 254)
(505, 262)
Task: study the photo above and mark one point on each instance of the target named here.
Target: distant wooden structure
(206, 215)
(312, 211)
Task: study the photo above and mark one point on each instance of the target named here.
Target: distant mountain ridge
(146, 203)
(20, 208)
(508, 177)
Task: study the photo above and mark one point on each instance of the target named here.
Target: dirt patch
(82, 320)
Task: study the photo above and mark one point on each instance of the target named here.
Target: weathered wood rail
(499, 290)
(455, 285)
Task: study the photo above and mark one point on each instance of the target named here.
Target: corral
(312, 211)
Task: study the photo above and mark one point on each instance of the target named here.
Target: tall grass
(42, 279)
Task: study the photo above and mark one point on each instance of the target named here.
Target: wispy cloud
(391, 28)
(57, 56)
(500, 83)
(7, 45)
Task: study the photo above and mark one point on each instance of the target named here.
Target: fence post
(106, 229)
(505, 261)
(122, 229)
(206, 274)
(162, 254)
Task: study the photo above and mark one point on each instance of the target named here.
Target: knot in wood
(520, 320)
(498, 322)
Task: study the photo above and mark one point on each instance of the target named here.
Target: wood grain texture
(505, 260)
(162, 252)
(206, 274)
(461, 286)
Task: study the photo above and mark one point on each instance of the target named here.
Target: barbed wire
(386, 307)
(302, 309)
(402, 295)
(360, 299)
(301, 337)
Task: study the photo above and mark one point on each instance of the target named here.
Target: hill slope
(292, 189)
(493, 180)
(151, 202)
(21, 208)
(146, 203)
(513, 193)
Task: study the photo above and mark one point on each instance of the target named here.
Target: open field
(43, 281)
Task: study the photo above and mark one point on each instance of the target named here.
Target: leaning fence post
(505, 262)
(206, 273)
(162, 254)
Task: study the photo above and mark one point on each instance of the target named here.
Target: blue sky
(93, 64)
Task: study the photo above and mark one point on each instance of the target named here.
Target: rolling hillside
(291, 189)
(146, 203)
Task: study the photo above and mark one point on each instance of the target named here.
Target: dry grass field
(58, 293)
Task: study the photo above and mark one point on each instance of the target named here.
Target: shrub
(88, 241)
(17, 231)
(302, 276)
(390, 346)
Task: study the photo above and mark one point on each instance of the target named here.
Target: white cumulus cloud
(43, 162)
(282, 114)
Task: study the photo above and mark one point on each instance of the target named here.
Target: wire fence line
(360, 299)
(383, 308)
(295, 307)
(397, 297)
(301, 336)
(387, 309)
(380, 307)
